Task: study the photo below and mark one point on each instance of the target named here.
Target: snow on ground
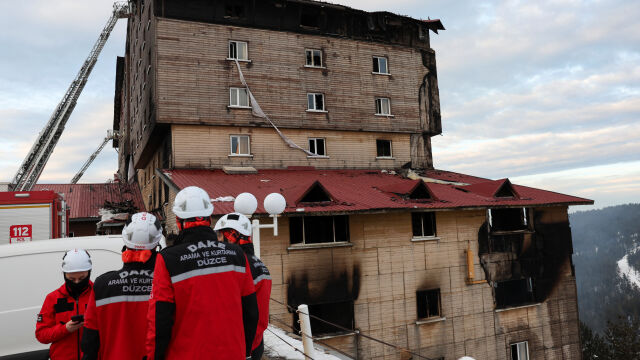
(277, 348)
(626, 269)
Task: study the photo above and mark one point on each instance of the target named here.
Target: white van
(28, 272)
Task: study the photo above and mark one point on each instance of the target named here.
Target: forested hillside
(600, 239)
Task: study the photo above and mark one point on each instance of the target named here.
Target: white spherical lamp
(245, 204)
(274, 203)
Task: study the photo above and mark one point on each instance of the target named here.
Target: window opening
(512, 293)
(319, 229)
(234, 11)
(238, 50)
(383, 148)
(238, 97)
(508, 219)
(339, 313)
(309, 19)
(314, 57)
(428, 303)
(520, 351)
(423, 224)
(380, 65)
(316, 146)
(315, 102)
(240, 145)
(316, 193)
(383, 106)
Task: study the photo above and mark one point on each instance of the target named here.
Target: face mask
(75, 289)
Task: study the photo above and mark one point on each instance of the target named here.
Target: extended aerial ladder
(29, 172)
(110, 135)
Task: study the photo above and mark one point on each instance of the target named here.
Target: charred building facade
(335, 108)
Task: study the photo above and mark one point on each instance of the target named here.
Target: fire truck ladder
(33, 164)
(110, 135)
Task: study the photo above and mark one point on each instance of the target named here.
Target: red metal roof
(360, 190)
(85, 200)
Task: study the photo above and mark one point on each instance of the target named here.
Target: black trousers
(257, 352)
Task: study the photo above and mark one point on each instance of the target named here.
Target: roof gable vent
(315, 193)
(506, 190)
(420, 192)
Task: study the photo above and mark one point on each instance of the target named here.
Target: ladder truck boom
(32, 166)
(93, 156)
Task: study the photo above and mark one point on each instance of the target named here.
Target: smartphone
(77, 318)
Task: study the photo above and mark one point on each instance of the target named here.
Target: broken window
(238, 97)
(506, 243)
(316, 193)
(314, 57)
(316, 146)
(380, 65)
(339, 313)
(428, 303)
(240, 145)
(318, 229)
(315, 102)
(309, 19)
(383, 106)
(238, 50)
(234, 11)
(509, 219)
(514, 293)
(423, 224)
(383, 148)
(520, 351)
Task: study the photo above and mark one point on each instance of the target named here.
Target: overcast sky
(546, 93)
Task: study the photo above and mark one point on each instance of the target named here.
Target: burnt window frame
(302, 228)
(517, 355)
(383, 156)
(312, 58)
(422, 214)
(319, 328)
(230, 56)
(528, 297)
(500, 238)
(525, 225)
(422, 299)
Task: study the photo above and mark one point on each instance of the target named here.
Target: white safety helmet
(76, 260)
(192, 202)
(235, 221)
(143, 232)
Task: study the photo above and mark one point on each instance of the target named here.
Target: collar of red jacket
(63, 289)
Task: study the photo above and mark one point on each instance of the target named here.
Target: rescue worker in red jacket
(203, 302)
(55, 325)
(235, 228)
(116, 319)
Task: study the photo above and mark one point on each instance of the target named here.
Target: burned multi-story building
(334, 108)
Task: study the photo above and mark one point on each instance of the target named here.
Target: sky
(545, 93)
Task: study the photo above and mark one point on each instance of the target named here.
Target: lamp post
(247, 204)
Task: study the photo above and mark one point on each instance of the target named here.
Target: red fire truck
(32, 215)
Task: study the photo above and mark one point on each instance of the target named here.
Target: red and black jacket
(58, 308)
(203, 302)
(262, 282)
(116, 319)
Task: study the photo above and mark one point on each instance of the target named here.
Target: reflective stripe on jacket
(203, 303)
(116, 319)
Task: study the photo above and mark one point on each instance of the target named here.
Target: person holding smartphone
(61, 318)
